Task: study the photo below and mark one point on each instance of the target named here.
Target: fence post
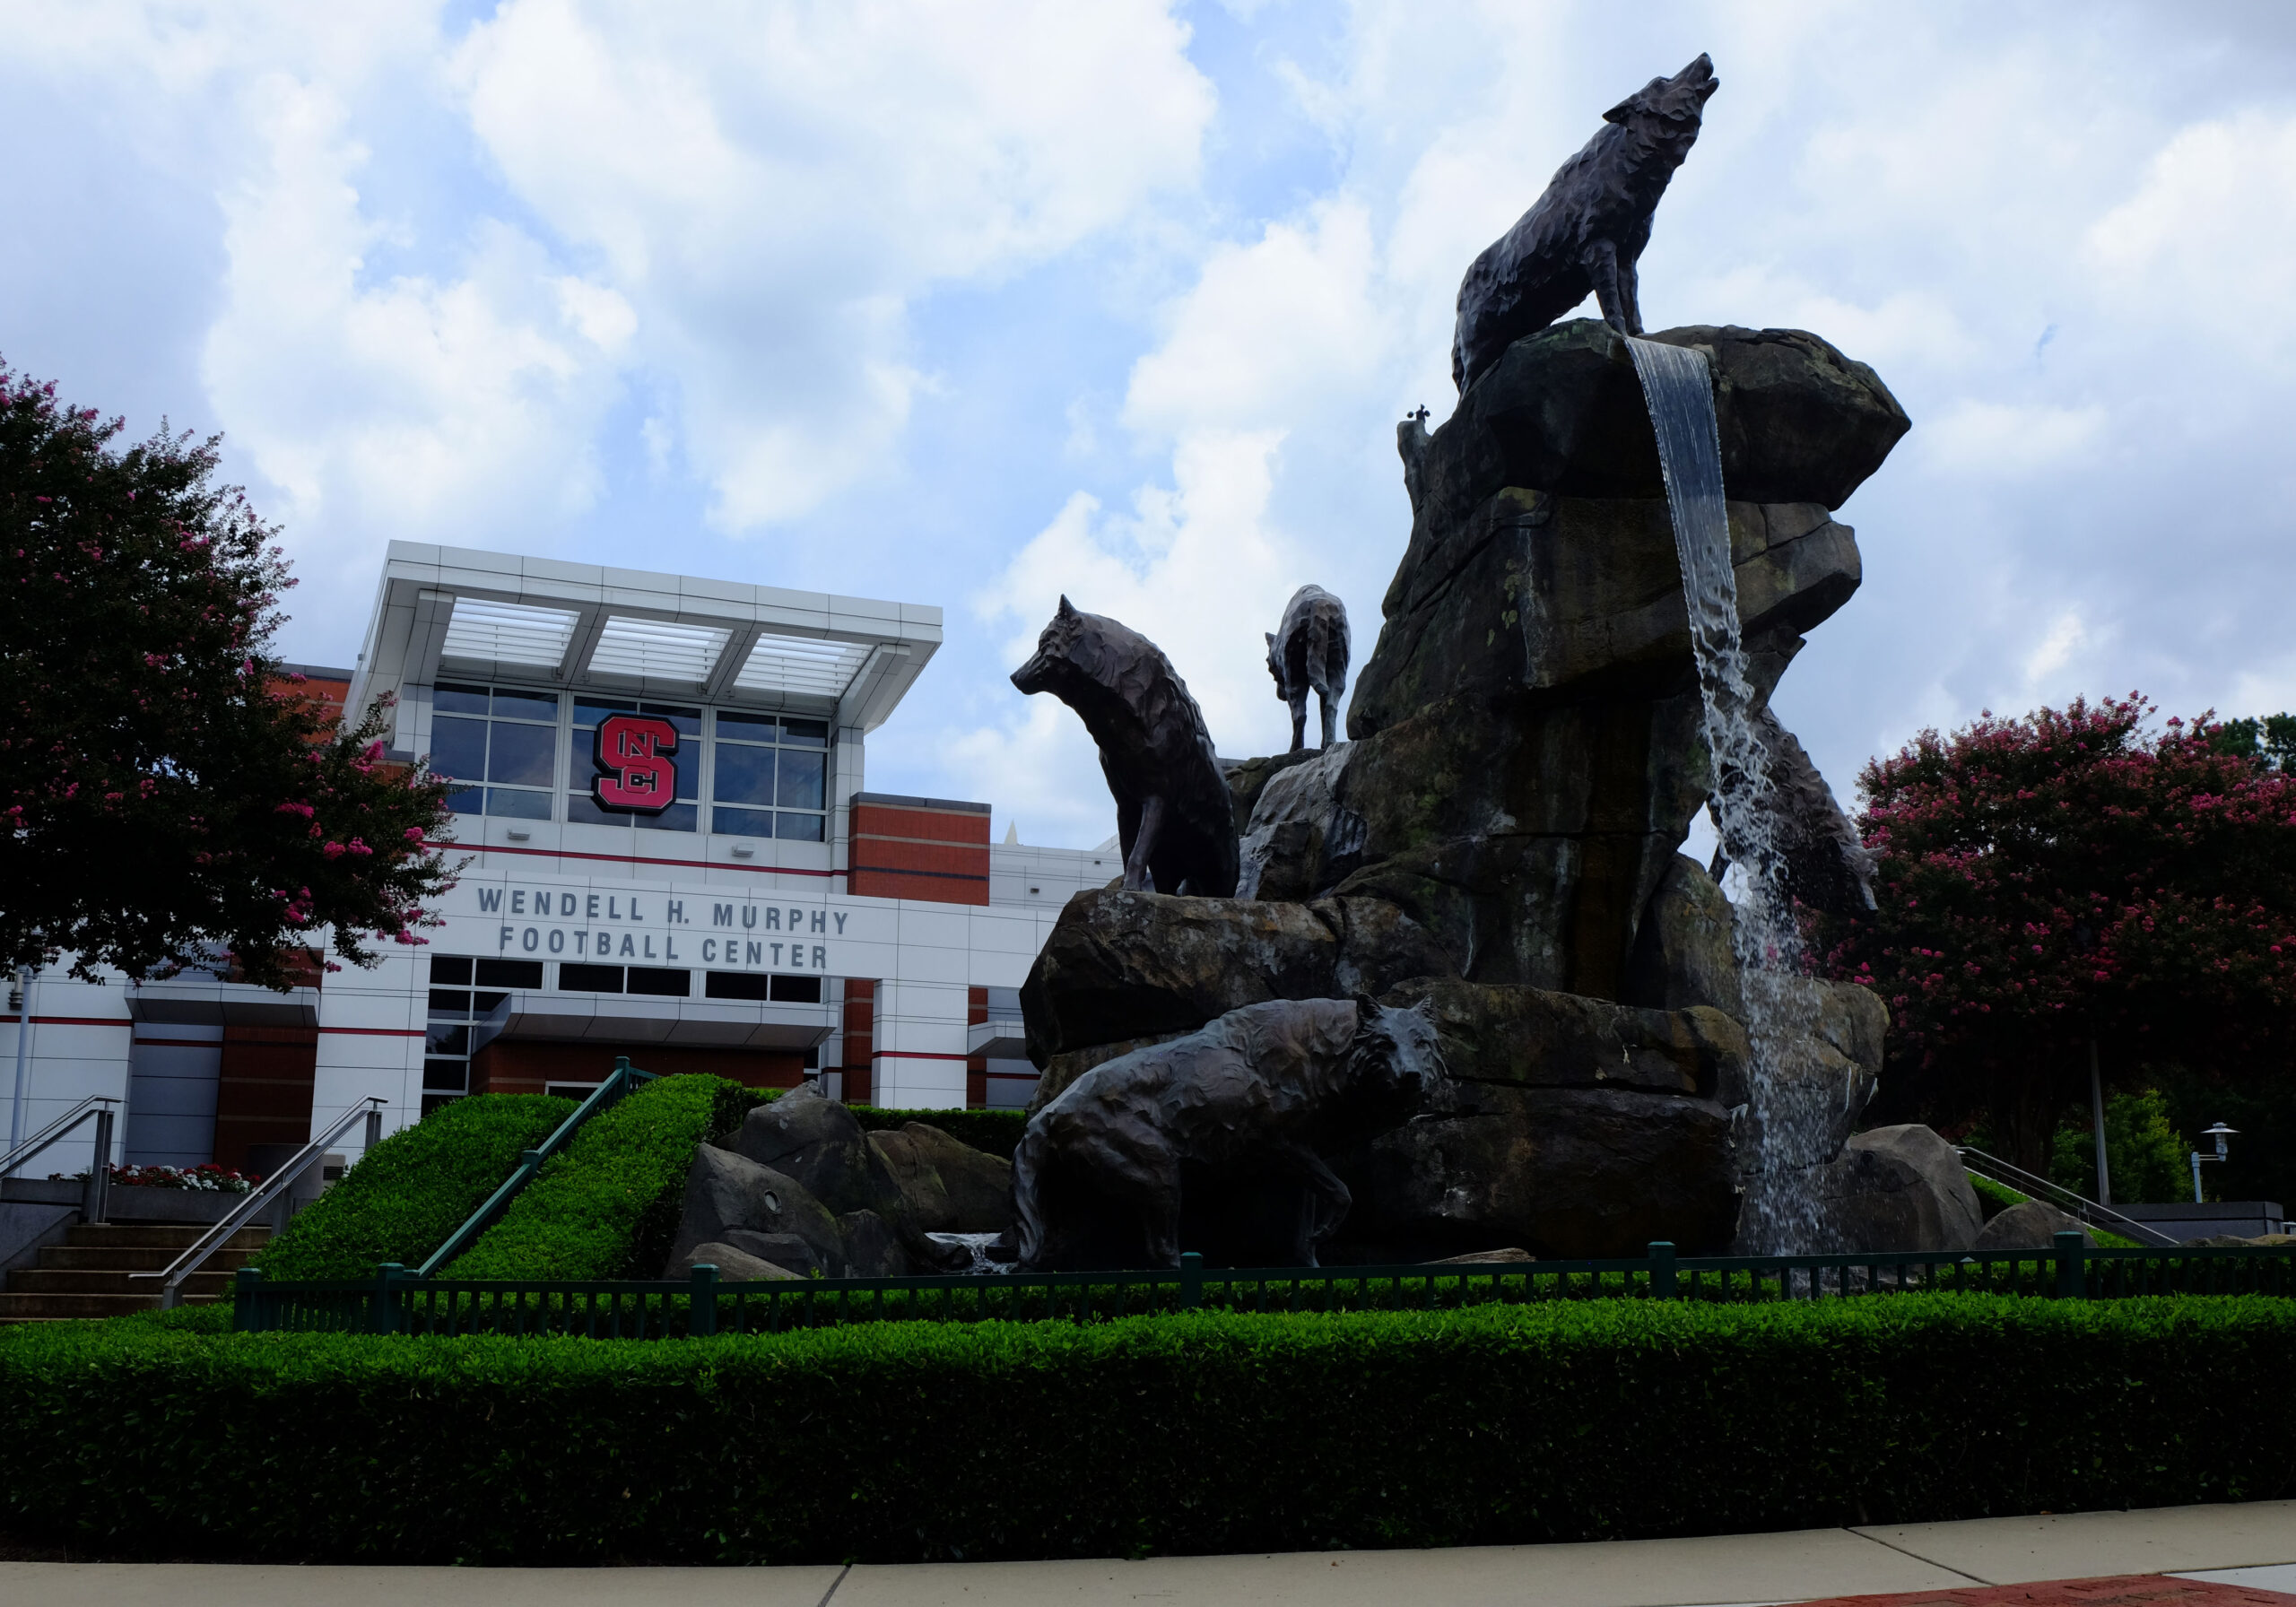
(383, 1316)
(1662, 1268)
(2072, 1268)
(374, 1133)
(1191, 1281)
(701, 1308)
(246, 1297)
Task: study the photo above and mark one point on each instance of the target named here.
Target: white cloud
(1989, 439)
(771, 189)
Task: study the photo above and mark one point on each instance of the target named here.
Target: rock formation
(1499, 834)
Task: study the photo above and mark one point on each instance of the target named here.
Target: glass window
(668, 984)
(507, 738)
(735, 985)
(509, 973)
(770, 760)
(589, 978)
(798, 990)
(449, 969)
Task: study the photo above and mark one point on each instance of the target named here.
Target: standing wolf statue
(1237, 1112)
(1310, 652)
(1587, 231)
(1173, 817)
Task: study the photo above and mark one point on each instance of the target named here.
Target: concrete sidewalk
(2253, 1545)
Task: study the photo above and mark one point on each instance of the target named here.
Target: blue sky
(976, 305)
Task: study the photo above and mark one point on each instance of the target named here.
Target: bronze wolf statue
(1173, 815)
(1238, 1108)
(1587, 232)
(1310, 651)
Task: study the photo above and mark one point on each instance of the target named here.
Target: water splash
(977, 1245)
(1788, 1123)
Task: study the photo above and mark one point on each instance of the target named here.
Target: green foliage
(414, 1188)
(2272, 739)
(176, 792)
(2262, 1165)
(607, 1205)
(1205, 1432)
(2147, 1155)
(1994, 1198)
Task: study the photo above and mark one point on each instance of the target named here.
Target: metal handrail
(620, 1082)
(174, 1274)
(58, 1128)
(2064, 1199)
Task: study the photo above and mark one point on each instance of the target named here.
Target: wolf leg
(1629, 293)
(1602, 266)
(1330, 706)
(1299, 701)
(1324, 1202)
(1136, 879)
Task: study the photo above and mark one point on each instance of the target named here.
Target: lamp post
(2219, 1132)
(22, 1001)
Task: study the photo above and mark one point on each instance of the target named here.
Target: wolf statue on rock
(1587, 231)
(1237, 1112)
(1173, 816)
(1309, 653)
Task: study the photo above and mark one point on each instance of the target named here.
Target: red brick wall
(977, 1066)
(918, 849)
(860, 1038)
(264, 1094)
(525, 1067)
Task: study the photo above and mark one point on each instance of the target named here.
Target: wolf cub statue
(1173, 817)
(1587, 231)
(1235, 1112)
(1308, 652)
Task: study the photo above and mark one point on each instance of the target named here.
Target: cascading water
(1787, 1124)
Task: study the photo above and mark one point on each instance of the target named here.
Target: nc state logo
(634, 774)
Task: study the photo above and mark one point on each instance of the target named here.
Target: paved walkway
(2252, 1546)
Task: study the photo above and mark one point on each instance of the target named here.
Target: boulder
(1682, 954)
(783, 1249)
(2030, 1225)
(871, 1248)
(1895, 1188)
(817, 1141)
(1563, 1172)
(734, 1265)
(1529, 1038)
(725, 1191)
(1509, 1255)
(1247, 777)
(1960, 1215)
(1828, 1058)
(947, 1186)
(1128, 965)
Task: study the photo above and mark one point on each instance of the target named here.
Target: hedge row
(607, 1205)
(998, 1132)
(1192, 1433)
(414, 1188)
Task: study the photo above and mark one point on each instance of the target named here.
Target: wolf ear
(1271, 637)
(1066, 610)
(1366, 1008)
(1626, 107)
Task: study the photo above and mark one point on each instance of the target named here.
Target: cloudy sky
(975, 304)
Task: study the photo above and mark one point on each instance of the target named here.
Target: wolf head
(1669, 107)
(1396, 1053)
(1274, 662)
(1057, 651)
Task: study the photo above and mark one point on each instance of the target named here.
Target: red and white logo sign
(635, 774)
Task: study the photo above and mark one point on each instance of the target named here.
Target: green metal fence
(397, 1301)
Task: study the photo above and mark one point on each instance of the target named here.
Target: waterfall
(1786, 1126)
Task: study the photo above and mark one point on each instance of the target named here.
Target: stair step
(22, 1308)
(48, 1281)
(159, 1236)
(132, 1258)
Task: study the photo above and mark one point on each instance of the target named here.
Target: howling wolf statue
(1173, 816)
(1237, 1111)
(1587, 232)
(1310, 651)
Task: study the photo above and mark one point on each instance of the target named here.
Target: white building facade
(668, 853)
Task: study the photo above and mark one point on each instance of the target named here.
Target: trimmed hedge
(1199, 1432)
(998, 1132)
(416, 1186)
(607, 1205)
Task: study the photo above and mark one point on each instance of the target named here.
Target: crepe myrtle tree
(168, 794)
(2067, 879)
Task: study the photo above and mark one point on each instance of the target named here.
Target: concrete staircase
(86, 1275)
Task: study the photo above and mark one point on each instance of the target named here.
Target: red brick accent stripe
(2118, 1590)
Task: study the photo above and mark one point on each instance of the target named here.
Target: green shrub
(607, 1205)
(2148, 1157)
(1198, 1432)
(1994, 1198)
(414, 1188)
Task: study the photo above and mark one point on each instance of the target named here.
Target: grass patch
(413, 1189)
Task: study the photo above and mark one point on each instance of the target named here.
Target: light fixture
(518, 834)
(743, 851)
(2219, 1132)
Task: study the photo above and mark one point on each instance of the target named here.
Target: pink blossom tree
(2066, 878)
(168, 793)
